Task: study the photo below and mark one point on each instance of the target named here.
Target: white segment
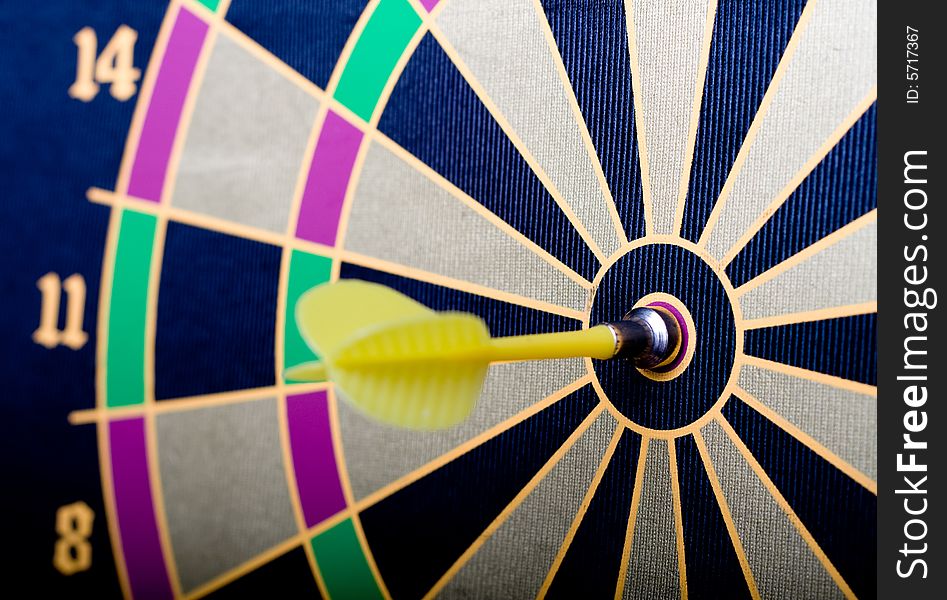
(246, 141)
(830, 73)
(504, 45)
(669, 38)
(377, 454)
(843, 421)
(424, 226)
(782, 564)
(513, 563)
(652, 566)
(841, 274)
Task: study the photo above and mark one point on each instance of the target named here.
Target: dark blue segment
(435, 116)
(216, 313)
(593, 42)
(308, 36)
(843, 347)
(684, 275)
(52, 148)
(590, 566)
(502, 318)
(840, 189)
(713, 569)
(417, 533)
(748, 41)
(838, 512)
(288, 576)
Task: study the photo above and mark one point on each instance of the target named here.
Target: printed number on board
(48, 333)
(73, 552)
(115, 66)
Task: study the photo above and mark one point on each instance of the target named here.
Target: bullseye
(680, 393)
(681, 357)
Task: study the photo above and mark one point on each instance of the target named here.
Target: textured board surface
(543, 164)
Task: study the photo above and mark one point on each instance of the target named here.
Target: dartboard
(180, 174)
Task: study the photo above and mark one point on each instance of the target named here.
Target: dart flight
(405, 364)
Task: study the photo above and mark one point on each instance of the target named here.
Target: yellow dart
(405, 364)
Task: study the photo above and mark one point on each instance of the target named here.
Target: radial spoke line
(217, 224)
(471, 203)
(302, 538)
(668, 42)
(752, 132)
(172, 405)
(678, 516)
(846, 384)
(516, 502)
(802, 256)
(689, 147)
(443, 236)
(370, 133)
(478, 88)
(456, 284)
(824, 86)
(800, 176)
(640, 125)
(808, 441)
(517, 142)
(835, 312)
(242, 569)
(632, 518)
(577, 521)
(271, 60)
(784, 505)
(726, 514)
(431, 466)
(289, 242)
(580, 120)
(530, 76)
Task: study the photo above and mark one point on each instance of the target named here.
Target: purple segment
(685, 335)
(329, 175)
(317, 476)
(429, 4)
(138, 530)
(164, 109)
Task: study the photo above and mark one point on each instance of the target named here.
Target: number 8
(73, 551)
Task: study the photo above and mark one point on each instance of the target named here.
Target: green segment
(211, 4)
(305, 271)
(343, 565)
(125, 370)
(376, 52)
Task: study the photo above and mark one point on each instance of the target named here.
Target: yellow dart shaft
(597, 342)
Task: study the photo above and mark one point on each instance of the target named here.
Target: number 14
(115, 65)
